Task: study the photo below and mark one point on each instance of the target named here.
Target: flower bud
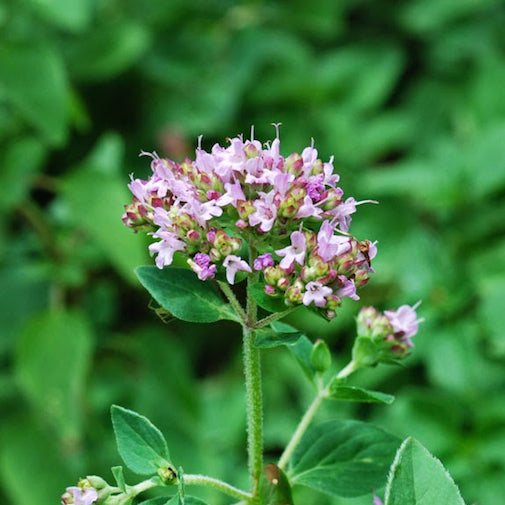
(270, 290)
(251, 151)
(294, 294)
(283, 283)
(272, 275)
(96, 482)
(245, 209)
(320, 357)
(294, 164)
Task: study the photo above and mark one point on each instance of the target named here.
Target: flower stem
(228, 292)
(254, 399)
(301, 428)
(254, 395)
(347, 370)
(272, 317)
(204, 480)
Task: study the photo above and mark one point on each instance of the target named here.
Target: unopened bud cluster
(289, 210)
(385, 336)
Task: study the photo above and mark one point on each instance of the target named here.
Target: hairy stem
(203, 480)
(254, 395)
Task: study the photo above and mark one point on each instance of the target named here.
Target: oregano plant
(281, 225)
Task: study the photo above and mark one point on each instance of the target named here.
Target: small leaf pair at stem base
(418, 478)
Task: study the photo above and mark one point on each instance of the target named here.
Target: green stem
(301, 428)
(254, 400)
(228, 292)
(347, 370)
(272, 317)
(203, 480)
(254, 395)
(311, 412)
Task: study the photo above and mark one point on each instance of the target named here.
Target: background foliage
(407, 96)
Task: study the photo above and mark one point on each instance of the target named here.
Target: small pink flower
(166, 248)
(78, 496)
(295, 252)
(317, 293)
(233, 264)
(404, 321)
(348, 288)
(330, 245)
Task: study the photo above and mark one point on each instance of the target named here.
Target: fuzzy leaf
(180, 292)
(418, 478)
(343, 458)
(140, 444)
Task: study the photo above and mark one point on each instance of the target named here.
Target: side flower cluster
(289, 212)
(385, 336)
(318, 269)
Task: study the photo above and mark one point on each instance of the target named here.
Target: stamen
(276, 126)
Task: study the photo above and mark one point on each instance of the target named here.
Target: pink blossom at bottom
(78, 496)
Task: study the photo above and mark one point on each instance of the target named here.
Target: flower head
(248, 194)
(385, 336)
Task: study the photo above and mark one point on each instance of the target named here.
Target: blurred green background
(409, 97)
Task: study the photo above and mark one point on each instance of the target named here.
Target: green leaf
(343, 458)
(179, 291)
(117, 471)
(265, 301)
(53, 358)
(43, 104)
(277, 334)
(140, 444)
(357, 394)
(418, 478)
(302, 351)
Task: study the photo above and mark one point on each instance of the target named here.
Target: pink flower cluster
(318, 269)
(288, 208)
(392, 330)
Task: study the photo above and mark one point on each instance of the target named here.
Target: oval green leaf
(418, 478)
(140, 444)
(343, 458)
(357, 394)
(180, 292)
